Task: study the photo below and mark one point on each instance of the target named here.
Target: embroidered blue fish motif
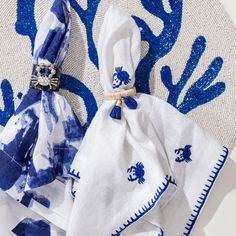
(136, 173)
(120, 77)
(184, 154)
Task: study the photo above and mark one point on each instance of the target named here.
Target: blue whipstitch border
(161, 233)
(205, 192)
(146, 208)
(74, 174)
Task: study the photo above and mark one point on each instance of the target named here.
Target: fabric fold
(122, 165)
(143, 167)
(40, 140)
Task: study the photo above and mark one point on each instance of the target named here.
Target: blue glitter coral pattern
(200, 92)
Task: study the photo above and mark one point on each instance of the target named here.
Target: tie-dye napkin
(39, 142)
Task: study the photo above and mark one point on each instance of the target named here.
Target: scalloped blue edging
(145, 209)
(203, 197)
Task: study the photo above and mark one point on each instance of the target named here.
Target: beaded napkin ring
(45, 77)
(125, 96)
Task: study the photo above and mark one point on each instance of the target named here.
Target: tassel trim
(130, 102)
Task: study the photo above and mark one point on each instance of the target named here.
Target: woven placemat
(189, 55)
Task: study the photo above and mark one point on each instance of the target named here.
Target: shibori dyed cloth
(41, 139)
(19, 220)
(143, 167)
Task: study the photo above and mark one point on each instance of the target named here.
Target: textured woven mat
(189, 55)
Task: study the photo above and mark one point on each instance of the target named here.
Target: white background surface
(219, 215)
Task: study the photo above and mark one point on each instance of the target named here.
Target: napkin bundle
(41, 139)
(143, 168)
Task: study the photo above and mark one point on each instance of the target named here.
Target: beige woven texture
(200, 17)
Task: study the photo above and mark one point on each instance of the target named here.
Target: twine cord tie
(120, 97)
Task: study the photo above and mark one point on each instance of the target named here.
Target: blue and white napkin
(143, 168)
(41, 139)
(122, 166)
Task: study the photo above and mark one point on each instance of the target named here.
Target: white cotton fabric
(104, 192)
(51, 22)
(118, 45)
(177, 156)
(194, 179)
(111, 147)
(12, 213)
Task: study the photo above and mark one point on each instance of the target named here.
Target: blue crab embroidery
(184, 154)
(120, 77)
(136, 173)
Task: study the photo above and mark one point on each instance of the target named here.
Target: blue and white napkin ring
(45, 77)
(125, 96)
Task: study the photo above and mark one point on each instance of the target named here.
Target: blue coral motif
(25, 22)
(8, 101)
(120, 77)
(136, 173)
(200, 93)
(184, 154)
(159, 45)
(87, 17)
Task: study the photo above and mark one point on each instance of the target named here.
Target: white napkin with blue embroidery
(122, 167)
(41, 139)
(146, 169)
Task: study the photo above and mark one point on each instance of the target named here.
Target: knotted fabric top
(52, 39)
(41, 139)
(118, 51)
(121, 164)
(149, 172)
(119, 47)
